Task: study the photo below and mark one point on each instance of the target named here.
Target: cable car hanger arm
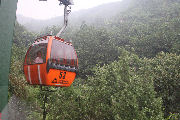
(66, 4)
(66, 13)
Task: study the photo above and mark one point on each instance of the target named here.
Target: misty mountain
(97, 15)
(37, 25)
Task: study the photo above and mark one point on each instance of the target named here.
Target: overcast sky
(47, 9)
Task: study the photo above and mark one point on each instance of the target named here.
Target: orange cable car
(51, 62)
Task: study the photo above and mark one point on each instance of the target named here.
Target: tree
(166, 72)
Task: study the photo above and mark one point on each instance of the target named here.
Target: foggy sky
(44, 10)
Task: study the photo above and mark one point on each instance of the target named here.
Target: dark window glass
(63, 54)
(37, 53)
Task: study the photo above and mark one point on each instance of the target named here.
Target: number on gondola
(62, 75)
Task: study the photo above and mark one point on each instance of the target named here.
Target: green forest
(129, 66)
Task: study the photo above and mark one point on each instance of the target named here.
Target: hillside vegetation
(129, 65)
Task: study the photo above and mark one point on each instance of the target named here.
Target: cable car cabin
(50, 61)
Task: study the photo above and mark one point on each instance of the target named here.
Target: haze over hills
(94, 15)
(36, 25)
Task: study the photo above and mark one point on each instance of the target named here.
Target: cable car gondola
(51, 61)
